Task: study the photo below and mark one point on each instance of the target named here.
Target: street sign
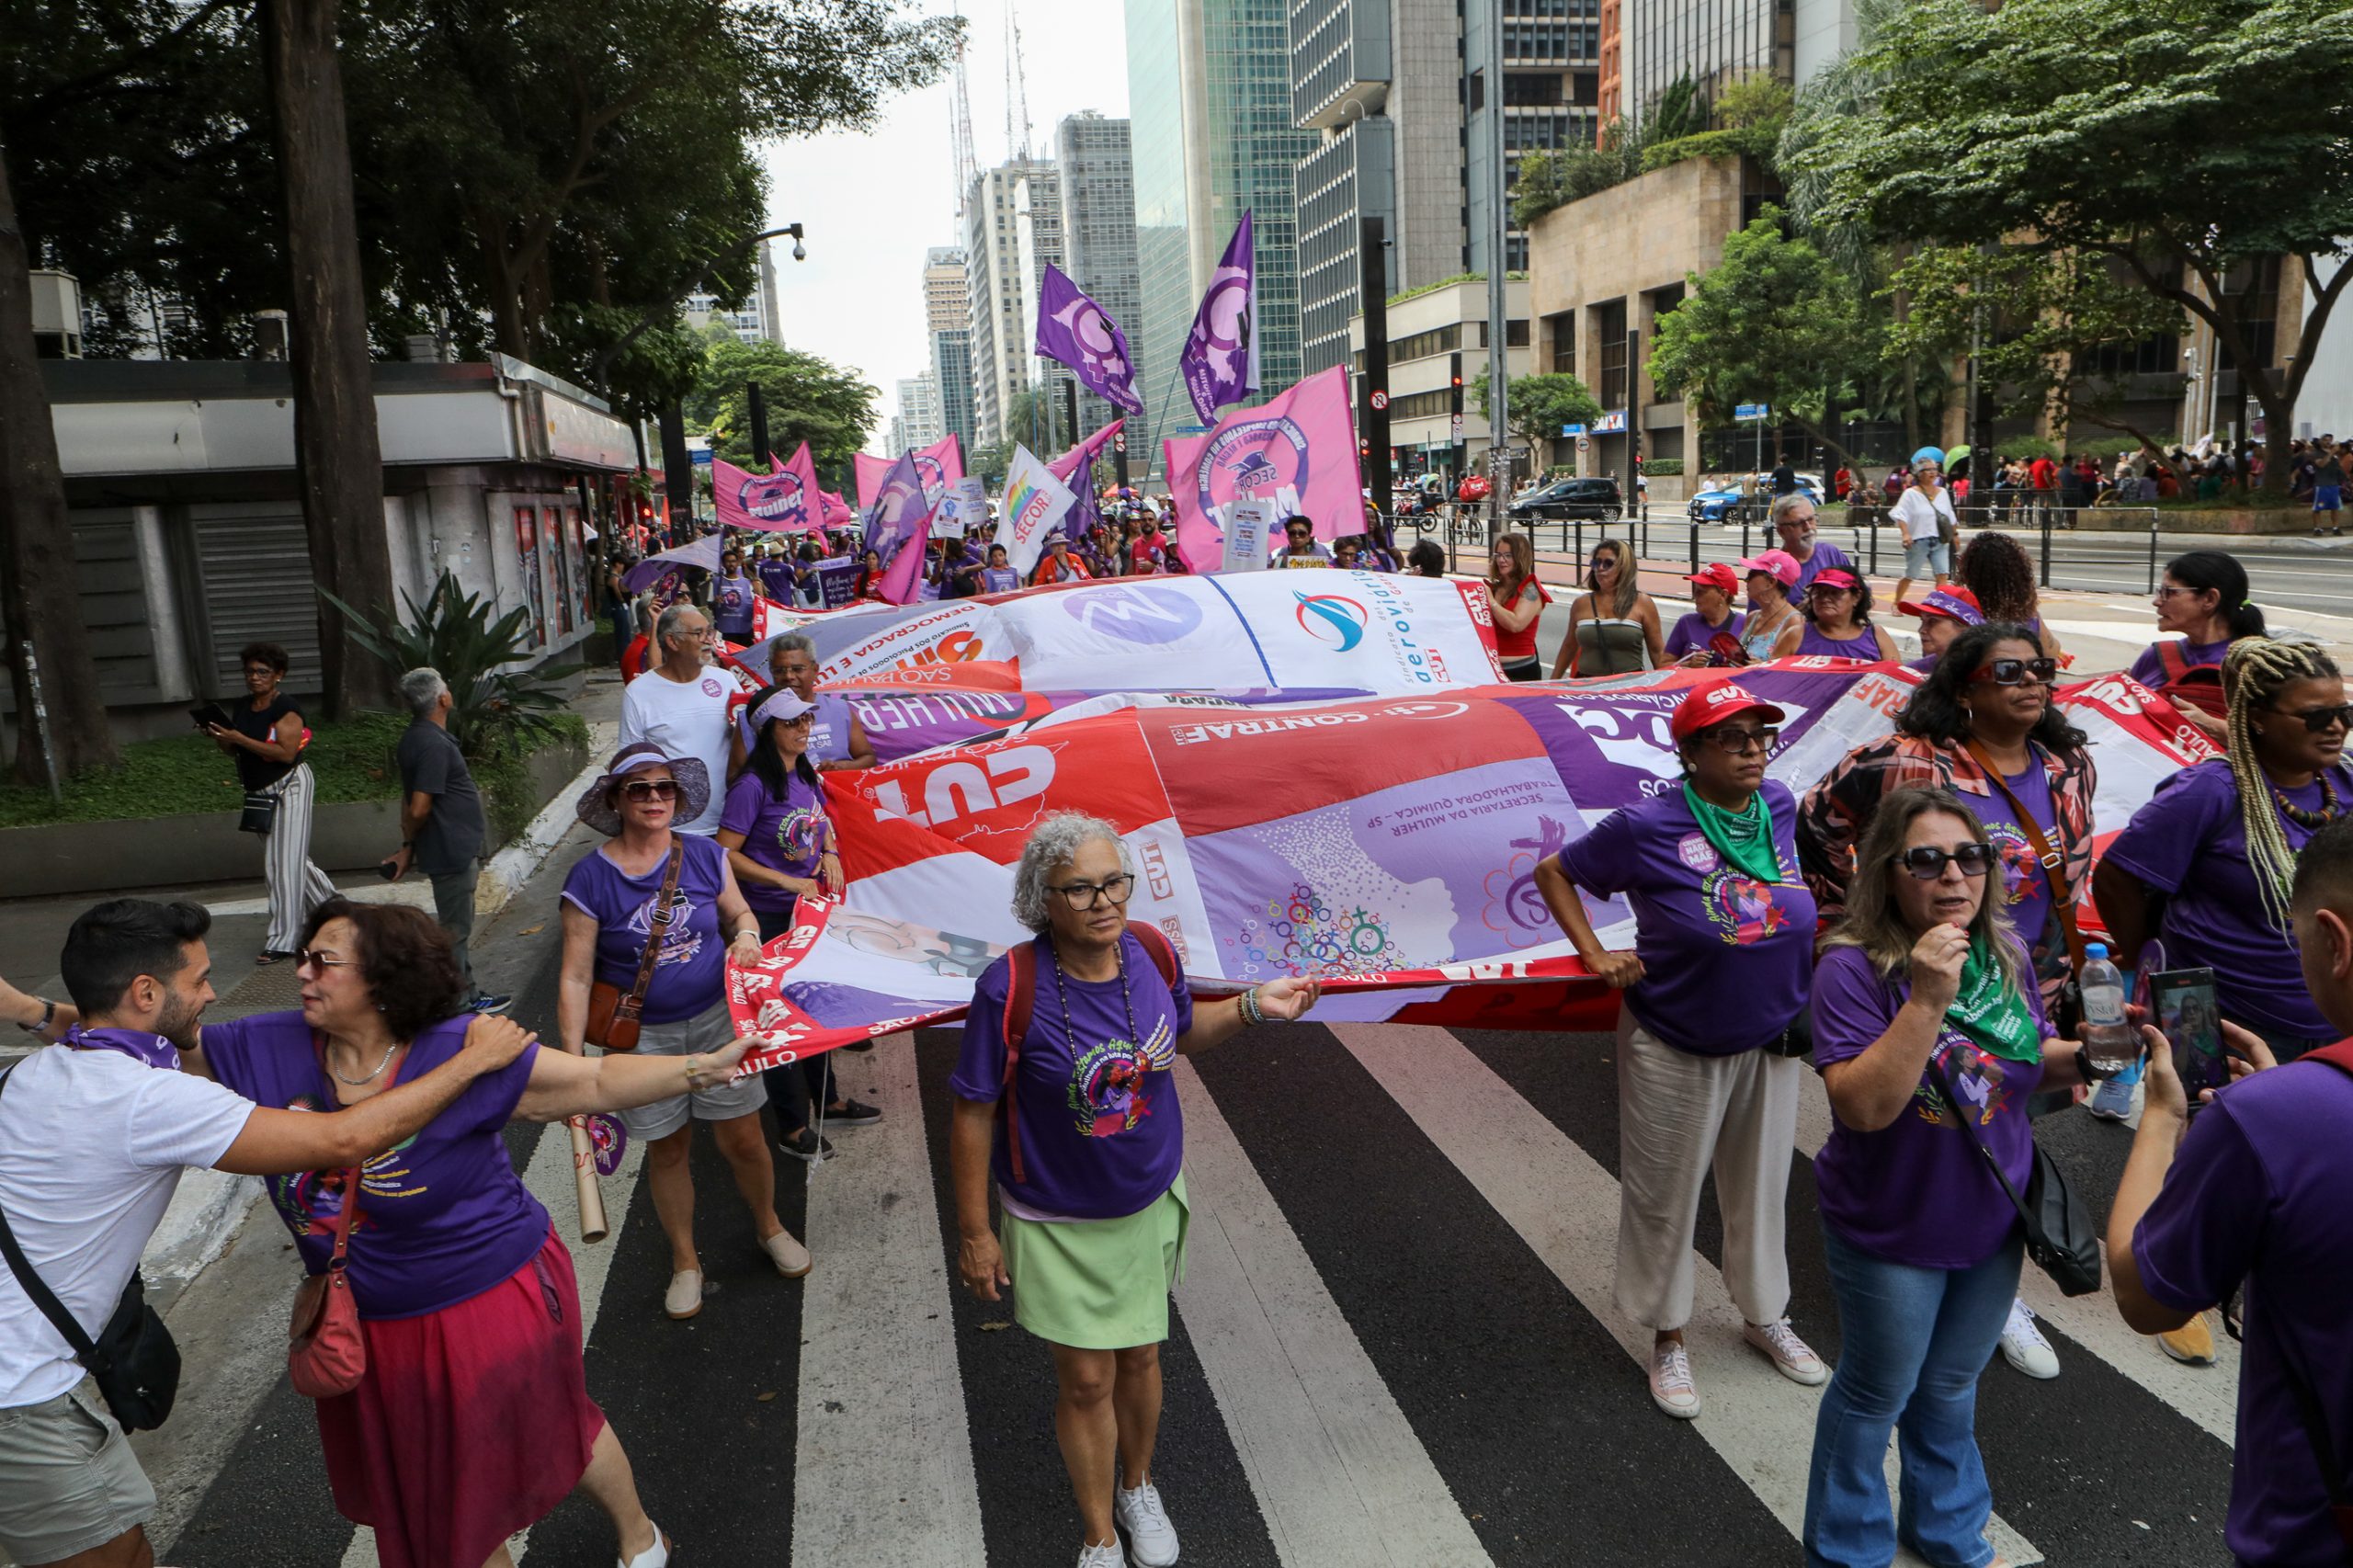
(1380, 399)
(1584, 443)
(1752, 411)
(1454, 433)
(1571, 429)
(700, 456)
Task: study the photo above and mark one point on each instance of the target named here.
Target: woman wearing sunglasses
(1925, 1012)
(2206, 864)
(473, 1418)
(1837, 623)
(1711, 873)
(1071, 1041)
(609, 925)
(1981, 725)
(1614, 626)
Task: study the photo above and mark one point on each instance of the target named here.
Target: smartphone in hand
(2191, 1020)
(388, 867)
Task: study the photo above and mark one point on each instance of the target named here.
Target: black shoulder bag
(2060, 1236)
(135, 1363)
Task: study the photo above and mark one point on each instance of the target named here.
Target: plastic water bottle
(2110, 1041)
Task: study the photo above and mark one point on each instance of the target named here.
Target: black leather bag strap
(85, 1351)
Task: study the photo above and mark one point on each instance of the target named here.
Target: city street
(1395, 1346)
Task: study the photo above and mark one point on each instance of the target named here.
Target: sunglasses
(317, 958)
(2319, 719)
(1928, 862)
(649, 790)
(1740, 741)
(2016, 671)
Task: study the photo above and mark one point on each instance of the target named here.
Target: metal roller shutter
(254, 564)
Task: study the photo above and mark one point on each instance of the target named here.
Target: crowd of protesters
(1906, 926)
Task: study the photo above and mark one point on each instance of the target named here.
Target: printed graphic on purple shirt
(2189, 842)
(788, 834)
(1915, 1191)
(732, 596)
(2026, 882)
(1693, 634)
(691, 971)
(1102, 1136)
(2257, 1195)
(1706, 931)
(442, 1217)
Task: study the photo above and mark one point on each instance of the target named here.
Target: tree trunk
(339, 462)
(39, 597)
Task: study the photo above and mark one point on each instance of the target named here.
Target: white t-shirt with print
(685, 718)
(1920, 517)
(92, 1144)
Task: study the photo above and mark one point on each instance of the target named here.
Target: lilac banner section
(1074, 330)
(1220, 361)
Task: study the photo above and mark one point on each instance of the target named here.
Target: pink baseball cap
(1778, 564)
(1835, 578)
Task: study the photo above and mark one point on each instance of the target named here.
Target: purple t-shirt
(829, 730)
(691, 975)
(1862, 645)
(1693, 634)
(1824, 558)
(1725, 958)
(1101, 1134)
(785, 834)
(2022, 873)
(777, 577)
(2256, 1194)
(999, 580)
(443, 1217)
(2150, 670)
(1916, 1192)
(732, 598)
(2189, 842)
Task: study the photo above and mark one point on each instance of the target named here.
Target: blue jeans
(1911, 1343)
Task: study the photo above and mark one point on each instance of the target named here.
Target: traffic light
(1455, 372)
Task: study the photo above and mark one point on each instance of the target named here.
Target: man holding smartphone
(2253, 1194)
(442, 826)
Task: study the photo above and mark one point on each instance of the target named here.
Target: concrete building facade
(1426, 331)
(918, 422)
(1012, 228)
(947, 304)
(1098, 233)
(1549, 99)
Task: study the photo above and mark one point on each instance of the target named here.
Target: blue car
(1714, 505)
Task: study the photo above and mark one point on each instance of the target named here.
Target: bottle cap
(2095, 949)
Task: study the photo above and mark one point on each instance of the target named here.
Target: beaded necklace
(2304, 817)
(1062, 995)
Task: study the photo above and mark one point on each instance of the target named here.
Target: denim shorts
(1927, 558)
(68, 1481)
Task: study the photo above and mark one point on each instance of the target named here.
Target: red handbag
(325, 1353)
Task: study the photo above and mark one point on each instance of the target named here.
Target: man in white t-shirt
(94, 1133)
(680, 704)
(1923, 511)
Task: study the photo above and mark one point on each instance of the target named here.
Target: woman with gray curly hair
(1073, 1035)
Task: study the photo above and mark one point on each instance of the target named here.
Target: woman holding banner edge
(1711, 871)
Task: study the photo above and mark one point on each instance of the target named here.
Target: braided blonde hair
(2253, 670)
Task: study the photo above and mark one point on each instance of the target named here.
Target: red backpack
(1020, 995)
(2201, 686)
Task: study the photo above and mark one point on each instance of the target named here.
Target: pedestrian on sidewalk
(682, 706)
(1720, 911)
(1930, 526)
(644, 915)
(94, 1133)
(1075, 1036)
(472, 1418)
(266, 735)
(442, 825)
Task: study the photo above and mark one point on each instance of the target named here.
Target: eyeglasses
(1739, 742)
(649, 790)
(2169, 591)
(1086, 895)
(1928, 862)
(316, 958)
(1601, 562)
(2016, 671)
(2319, 719)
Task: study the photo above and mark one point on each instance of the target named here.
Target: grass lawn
(352, 761)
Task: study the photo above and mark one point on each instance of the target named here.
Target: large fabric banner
(941, 464)
(1295, 455)
(1387, 844)
(1319, 630)
(784, 499)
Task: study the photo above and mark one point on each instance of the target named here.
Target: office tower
(1210, 126)
(918, 421)
(1099, 232)
(1012, 228)
(1550, 99)
(1711, 42)
(947, 304)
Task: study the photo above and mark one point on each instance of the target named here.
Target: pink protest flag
(837, 512)
(765, 501)
(1295, 455)
(1073, 469)
(941, 464)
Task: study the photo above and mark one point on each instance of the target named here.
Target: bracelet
(1251, 1013)
(689, 1063)
(48, 1017)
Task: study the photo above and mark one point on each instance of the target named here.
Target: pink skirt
(471, 1424)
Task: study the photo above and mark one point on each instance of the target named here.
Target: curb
(506, 873)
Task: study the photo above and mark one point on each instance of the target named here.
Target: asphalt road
(1395, 1346)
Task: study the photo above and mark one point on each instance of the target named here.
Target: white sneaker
(1152, 1539)
(1108, 1555)
(2023, 1344)
(654, 1556)
(1672, 1388)
(1792, 1356)
(684, 1298)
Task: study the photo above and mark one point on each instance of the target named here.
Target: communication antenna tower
(960, 138)
(1016, 84)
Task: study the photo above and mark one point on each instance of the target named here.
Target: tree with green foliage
(809, 399)
(1539, 406)
(1746, 121)
(2201, 144)
(1775, 323)
(1551, 179)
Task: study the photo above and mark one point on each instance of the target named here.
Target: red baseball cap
(1718, 576)
(1835, 578)
(1704, 707)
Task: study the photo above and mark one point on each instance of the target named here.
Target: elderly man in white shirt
(681, 705)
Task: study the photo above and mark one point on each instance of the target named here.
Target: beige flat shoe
(791, 1259)
(683, 1300)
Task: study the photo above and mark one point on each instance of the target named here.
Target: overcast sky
(875, 201)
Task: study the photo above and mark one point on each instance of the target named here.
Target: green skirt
(1099, 1284)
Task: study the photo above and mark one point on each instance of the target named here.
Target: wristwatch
(48, 1017)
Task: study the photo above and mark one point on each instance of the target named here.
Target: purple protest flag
(1074, 330)
(898, 526)
(1220, 362)
(1073, 468)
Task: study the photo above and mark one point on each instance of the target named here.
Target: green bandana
(1745, 838)
(1991, 1012)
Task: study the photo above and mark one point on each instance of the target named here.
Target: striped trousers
(296, 887)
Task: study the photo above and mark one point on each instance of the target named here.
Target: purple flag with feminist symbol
(898, 526)
(1220, 362)
(1074, 330)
